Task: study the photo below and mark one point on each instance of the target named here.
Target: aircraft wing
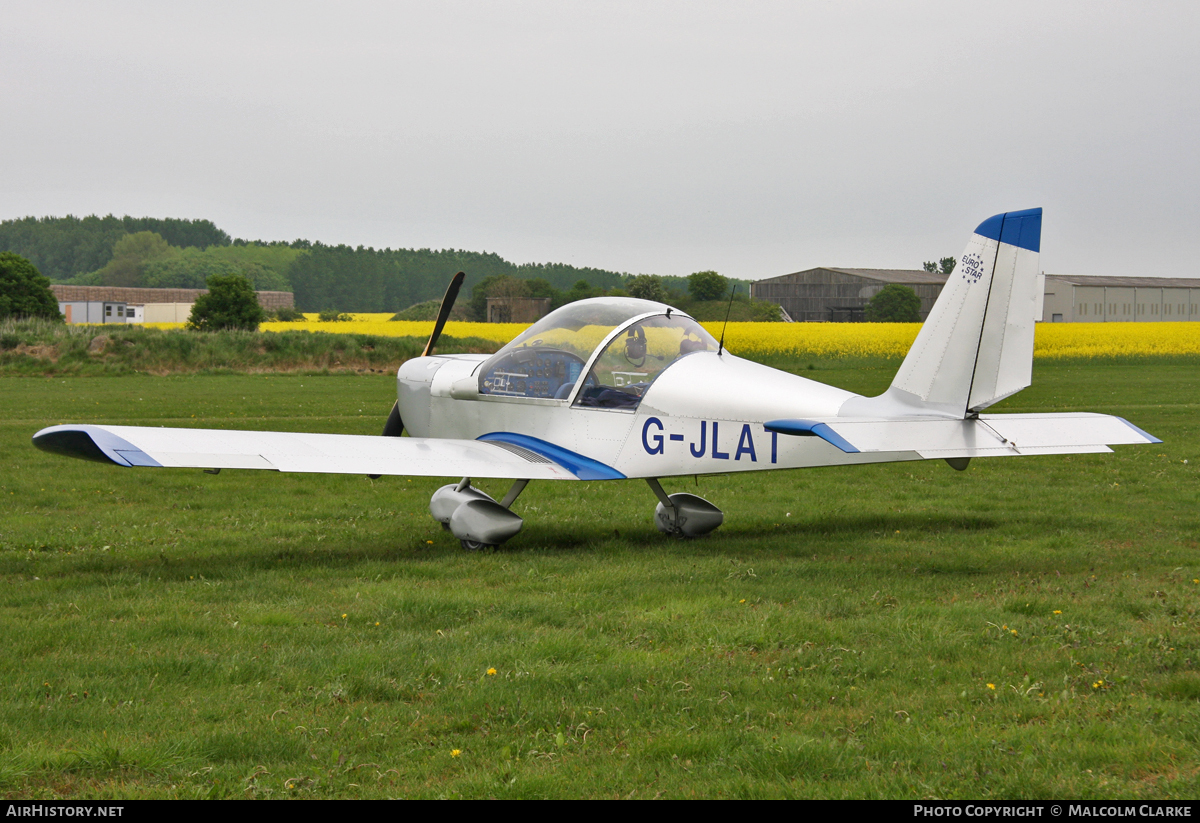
(991, 435)
(319, 453)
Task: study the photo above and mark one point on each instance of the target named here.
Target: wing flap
(946, 436)
(298, 452)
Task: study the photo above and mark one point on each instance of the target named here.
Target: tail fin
(976, 347)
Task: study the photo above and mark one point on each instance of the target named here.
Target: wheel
(476, 545)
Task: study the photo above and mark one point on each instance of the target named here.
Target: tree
(64, 248)
(230, 304)
(496, 285)
(582, 290)
(23, 290)
(131, 254)
(264, 266)
(647, 287)
(944, 266)
(894, 304)
(707, 285)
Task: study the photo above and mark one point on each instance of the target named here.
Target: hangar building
(1087, 299)
(839, 295)
(829, 295)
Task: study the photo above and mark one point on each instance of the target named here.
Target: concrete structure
(828, 294)
(840, 295)
(517, 309)
(117, 304)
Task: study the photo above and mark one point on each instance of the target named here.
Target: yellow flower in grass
(992, 686)
(455, 752)
(491, 672)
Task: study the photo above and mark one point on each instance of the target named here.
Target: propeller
(444, 312)
(394, 427)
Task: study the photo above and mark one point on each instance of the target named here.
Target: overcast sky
(752, 138)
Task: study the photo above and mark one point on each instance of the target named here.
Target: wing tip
(94, 443)
(1149, 437)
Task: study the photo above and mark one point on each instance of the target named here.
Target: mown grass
(175, 634)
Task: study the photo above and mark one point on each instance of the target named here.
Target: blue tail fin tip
(1022, 229)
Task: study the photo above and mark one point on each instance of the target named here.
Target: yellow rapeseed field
(1109, 339)
(817, 339)
(824, 340)
(380, 324)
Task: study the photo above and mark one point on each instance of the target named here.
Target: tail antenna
(728, 309)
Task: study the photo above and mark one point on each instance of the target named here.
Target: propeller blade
(394, 427)
(444, 312)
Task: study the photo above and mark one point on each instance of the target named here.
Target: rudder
(976, 347)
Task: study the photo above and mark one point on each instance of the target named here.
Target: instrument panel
(533, 372)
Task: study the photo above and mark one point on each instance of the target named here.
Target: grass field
(1027, 628)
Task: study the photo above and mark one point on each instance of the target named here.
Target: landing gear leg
(514, 491)
(682, 514)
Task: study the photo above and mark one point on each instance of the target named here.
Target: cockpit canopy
(639, 340)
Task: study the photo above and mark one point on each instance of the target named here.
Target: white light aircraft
(614, 388)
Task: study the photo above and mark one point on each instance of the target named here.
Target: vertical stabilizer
(1004, 364)
(976, 347)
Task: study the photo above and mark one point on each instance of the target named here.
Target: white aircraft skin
(661, 398)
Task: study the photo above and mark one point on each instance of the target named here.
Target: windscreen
(546, 360)
(634, 358)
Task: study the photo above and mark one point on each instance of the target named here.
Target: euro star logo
(972, 268)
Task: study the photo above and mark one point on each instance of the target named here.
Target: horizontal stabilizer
(319, 453)
(984, 436)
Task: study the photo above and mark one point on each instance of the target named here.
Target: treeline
(65, 247)
(368, 280)
(175, 253)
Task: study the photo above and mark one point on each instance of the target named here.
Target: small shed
(517, 309)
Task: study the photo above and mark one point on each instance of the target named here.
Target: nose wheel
(477, 545)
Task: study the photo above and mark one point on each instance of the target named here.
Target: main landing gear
(474, 517)
(479, 522)
(682, 514)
